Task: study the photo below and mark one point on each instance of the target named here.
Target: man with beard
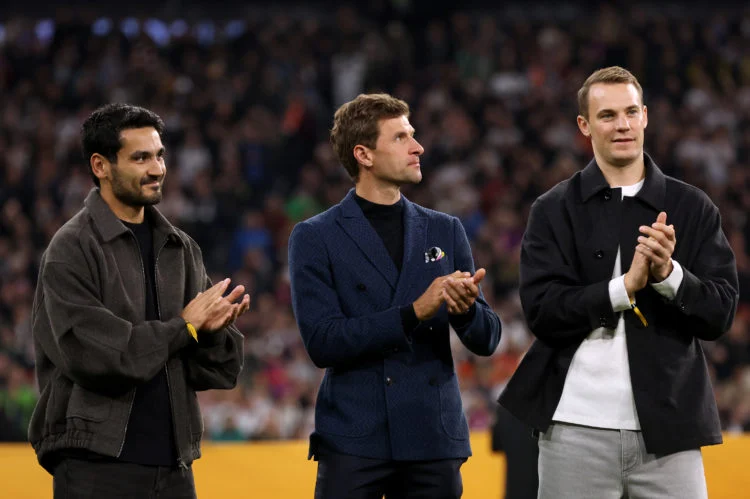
(127, 327)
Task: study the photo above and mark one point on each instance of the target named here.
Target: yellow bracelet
(191, 330)
(639, 314)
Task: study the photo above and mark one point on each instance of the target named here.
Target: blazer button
(388, 381)
(608, 194)
(602, 321)
(599, 254)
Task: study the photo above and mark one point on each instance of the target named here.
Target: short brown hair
(612, 74)
(357, 122)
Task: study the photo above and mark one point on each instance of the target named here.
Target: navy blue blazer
(385, 394)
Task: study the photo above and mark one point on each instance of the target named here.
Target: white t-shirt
(597, 390)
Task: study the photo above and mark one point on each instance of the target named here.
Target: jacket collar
(653, 191)
(349, 206)
(110, 227)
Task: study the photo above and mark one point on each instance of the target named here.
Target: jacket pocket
(348, 404)
(451, 410)
(196, 420)
(85, 404)
(49, 413)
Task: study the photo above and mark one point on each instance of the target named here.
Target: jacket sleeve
(481, 335)
(708, 295)
(331, 338)
(89, 343)
(216, 360)
(559, 308)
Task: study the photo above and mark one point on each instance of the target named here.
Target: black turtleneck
(388, 222)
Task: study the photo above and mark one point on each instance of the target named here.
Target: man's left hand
(461, 293)
(657, 243)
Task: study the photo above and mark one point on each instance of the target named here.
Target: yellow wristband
(191, 330)
(639, 314)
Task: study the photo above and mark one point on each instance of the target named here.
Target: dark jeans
(342, 476)
(82, 479)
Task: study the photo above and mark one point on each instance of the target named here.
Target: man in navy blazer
(377, 282)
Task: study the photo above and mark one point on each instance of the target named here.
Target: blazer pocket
(348, 404)
(85, 404)
(451, 410)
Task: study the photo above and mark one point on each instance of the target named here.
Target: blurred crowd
(248, 103)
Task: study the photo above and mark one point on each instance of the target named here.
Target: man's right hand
(427, 305)
(211, 311)
(636, 277)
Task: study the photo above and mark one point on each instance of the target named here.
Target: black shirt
(150, 433)
(388, 222)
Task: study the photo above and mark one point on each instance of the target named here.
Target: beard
(132, 197)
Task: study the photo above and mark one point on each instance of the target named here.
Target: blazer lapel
(415, 239)
(356, 226)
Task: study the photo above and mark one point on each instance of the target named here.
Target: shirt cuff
(460, 321)
(669, 286)
(618, 295)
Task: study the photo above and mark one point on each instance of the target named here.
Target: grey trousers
(582, 462)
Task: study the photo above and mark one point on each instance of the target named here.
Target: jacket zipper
(180, 462)
(127, 421)
(132, 399)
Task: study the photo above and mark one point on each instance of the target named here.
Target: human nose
(622, 123)
(417, 148)
(156, 168)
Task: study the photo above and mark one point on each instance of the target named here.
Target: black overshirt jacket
(567, 258)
